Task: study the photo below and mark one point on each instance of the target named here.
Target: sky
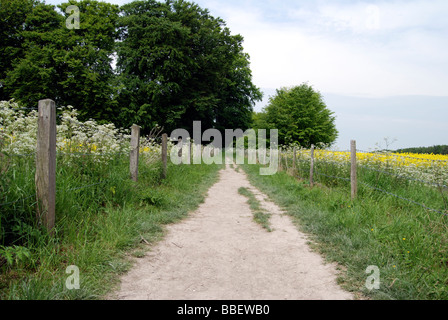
(381, 66)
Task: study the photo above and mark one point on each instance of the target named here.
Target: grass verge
(406, 243)
(97, 228)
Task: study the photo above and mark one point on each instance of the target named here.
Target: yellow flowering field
(430, 168)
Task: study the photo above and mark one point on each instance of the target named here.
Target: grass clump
(260, 215)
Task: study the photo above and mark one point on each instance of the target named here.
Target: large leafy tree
(175, 63)
(13, 14)
(300, 115)
(178, 64)
(70, 66)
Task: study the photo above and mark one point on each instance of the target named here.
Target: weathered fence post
(164, 154)
(190, 152)
(45, 177)
(280, 160)
(353, 178)
(294, 159)
(135, 150)
(312, 166)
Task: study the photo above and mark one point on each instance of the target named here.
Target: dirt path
(220, 253)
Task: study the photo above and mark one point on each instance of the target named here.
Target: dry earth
(220, 253)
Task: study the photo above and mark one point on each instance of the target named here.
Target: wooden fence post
(280, 160)
(45, 177)
(164, 154)
(353, 178)
(135, 150)
(312, 166)
(294, 158)
(190, 152)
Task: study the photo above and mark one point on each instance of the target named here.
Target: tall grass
(101, 216)
(407, 242)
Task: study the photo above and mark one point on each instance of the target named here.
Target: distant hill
(442, 149)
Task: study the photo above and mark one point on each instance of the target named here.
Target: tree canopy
(178, 64)
(174, 63)
(300, 115)
(70, 66)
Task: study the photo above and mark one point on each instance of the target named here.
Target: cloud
(355, 48)
(367, 48)
(353, 52)
(413, 120)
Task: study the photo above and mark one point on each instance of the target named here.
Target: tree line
(155, 64)
(146, 62)
(438, 149)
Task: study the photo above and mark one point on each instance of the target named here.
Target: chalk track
(220, 253)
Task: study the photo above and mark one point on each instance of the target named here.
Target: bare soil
(220, 253)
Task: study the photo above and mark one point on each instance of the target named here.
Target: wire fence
(324, 169)
(58, 191)
(27, 191)
(119, 154)
(406, 177)
(403, 198)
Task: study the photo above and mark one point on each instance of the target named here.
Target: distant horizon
(400, 117)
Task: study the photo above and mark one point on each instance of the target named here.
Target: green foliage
(175, 63)
(300, 115)
(100, 212)
(405, 241)
(14, 255)
(439, 149)
(178, 64)
(96, 226)
(13, 14)
(72, 67)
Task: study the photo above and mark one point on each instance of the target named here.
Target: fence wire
(330, 176)
(13, 202)
(121, 136)
(316, 172)
(405, 177)
(59, 191)
(403, 198)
